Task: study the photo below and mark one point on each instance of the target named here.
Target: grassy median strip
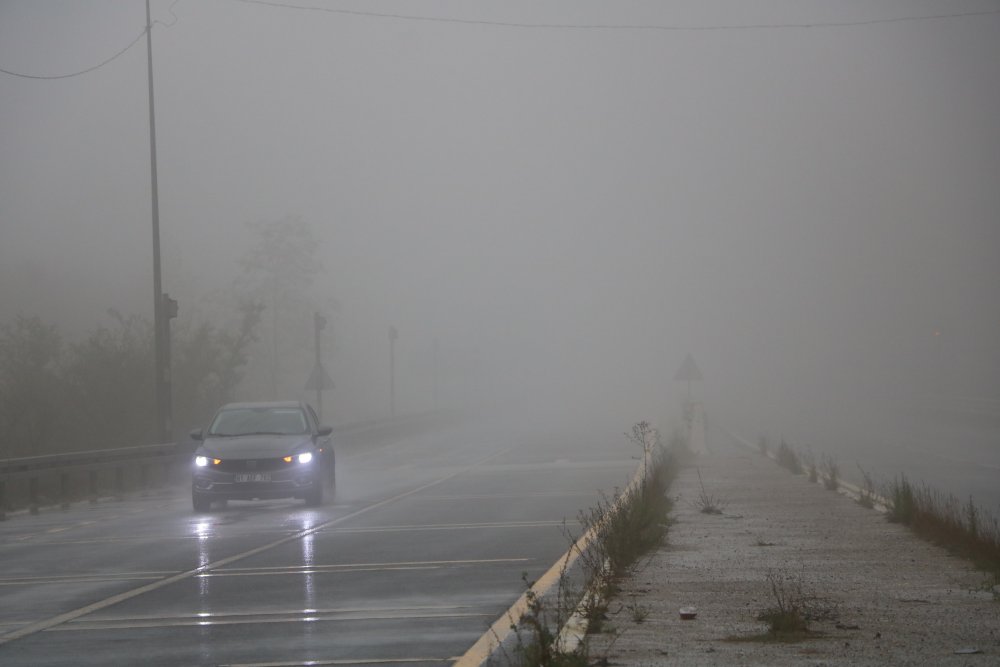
(963, 528)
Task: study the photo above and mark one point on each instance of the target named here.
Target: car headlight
(305, 457)
(201, 461)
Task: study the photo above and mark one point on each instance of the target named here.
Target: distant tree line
(97, 393)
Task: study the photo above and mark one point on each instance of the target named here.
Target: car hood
(254, 446)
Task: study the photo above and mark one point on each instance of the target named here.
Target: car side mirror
(197, 435)
(325, 430)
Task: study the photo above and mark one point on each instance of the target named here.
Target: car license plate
(253, 477)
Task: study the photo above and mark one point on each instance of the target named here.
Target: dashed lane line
(181, 576)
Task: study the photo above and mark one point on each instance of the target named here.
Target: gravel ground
(881, 595)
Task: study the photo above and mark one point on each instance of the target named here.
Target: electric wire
(83, 71)
(103, 62)
(515, 24)
(613, 26)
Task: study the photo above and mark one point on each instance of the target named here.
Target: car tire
(200, 502)
(314, 498)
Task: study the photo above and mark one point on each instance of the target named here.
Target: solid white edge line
(503, 627)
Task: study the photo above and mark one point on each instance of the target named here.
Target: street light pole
(393, 335)
(161, 386)
(434, 370)
(319, 322)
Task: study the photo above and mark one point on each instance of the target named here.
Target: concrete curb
(573, 632)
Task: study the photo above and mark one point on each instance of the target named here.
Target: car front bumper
(281, 484)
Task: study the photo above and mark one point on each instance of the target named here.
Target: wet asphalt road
(422, 549)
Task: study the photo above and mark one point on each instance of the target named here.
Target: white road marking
(334, 663)
(356, 567)
(479, 653)
(306, 616)
(454, 526)
(80, 578)
(54, 621)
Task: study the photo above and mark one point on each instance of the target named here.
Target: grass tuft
(787, 458)
(963, 528)
(868, 493)
(708, 503)
(831, 473)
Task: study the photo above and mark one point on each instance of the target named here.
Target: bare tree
(30, 351)
(280, 267)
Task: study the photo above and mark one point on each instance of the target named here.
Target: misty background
(802, 195)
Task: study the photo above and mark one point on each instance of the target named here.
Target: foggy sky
(568, 211)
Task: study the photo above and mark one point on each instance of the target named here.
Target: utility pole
(436, 354)
(393, 335)
(161, 380)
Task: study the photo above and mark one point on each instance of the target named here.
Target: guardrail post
(144, 479)
(64, 490)
(3, 500)
(33, 495)
(93, 487)
(120, 483)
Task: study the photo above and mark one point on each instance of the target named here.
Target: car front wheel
(314, 498)
(200, 502)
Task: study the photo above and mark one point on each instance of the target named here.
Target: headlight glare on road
(305, 457)
(201, 461)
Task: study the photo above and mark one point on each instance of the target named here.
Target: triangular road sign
(689, 371)
(317, 376)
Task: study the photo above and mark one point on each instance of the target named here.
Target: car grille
(250, 465)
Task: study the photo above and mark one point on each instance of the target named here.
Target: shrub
(831, 473)
(787, 458)
(789, 614)
(962, 528)
(867, 497)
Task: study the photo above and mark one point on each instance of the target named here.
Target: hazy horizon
(811, 212)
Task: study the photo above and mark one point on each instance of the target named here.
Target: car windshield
(259, 421)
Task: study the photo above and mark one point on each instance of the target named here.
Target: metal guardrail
(145, 457)
(34, 468)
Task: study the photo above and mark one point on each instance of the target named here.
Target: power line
(514, 24)
(83, 71)
(102, 63)
(612, 26)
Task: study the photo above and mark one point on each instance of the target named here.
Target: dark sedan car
(257, 451)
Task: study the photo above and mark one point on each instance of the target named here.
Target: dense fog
(563, 198)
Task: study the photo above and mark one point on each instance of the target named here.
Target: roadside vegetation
(624, 527)
(792, 609)
(787, 458)
(708, 503)
(963, 528)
